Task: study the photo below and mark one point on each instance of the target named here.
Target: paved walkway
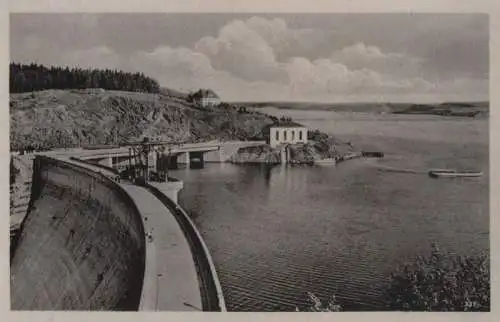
(177, 285)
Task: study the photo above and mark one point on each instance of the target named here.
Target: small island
(293, 143)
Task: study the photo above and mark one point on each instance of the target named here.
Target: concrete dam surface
(81, 245)
(88, 243)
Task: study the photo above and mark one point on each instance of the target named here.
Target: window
(284, 135)
(293, 135)
(300, 135)
(277, 135)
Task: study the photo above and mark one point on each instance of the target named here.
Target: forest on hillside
(34, 77)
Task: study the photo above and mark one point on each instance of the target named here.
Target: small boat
(324, 162)
(369, 154)
(445, 173)
(443, 170)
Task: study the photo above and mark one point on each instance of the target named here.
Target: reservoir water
(276, 233)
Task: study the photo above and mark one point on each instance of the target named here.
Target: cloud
(245, 61)
(241, 47)
(319, 80)
(177, 61)
(250, 49)
(187, 69)
(96, 57)
(328, 76)
(360, 56)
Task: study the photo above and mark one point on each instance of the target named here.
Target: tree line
(34, 77)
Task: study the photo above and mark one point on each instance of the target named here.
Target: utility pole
(130, 162)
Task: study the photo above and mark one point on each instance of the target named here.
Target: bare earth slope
(58, 118)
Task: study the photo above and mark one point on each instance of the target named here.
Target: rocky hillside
(59, 118)
(257, 154)
(71, 118)
(318, 149)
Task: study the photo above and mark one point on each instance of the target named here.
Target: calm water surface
(277, 232)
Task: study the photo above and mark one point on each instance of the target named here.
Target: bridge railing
(97, 165)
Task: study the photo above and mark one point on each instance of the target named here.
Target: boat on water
(449, 173)
(326, 162)
(374, 154)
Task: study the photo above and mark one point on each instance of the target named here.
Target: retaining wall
(81, 245)
(210, 288)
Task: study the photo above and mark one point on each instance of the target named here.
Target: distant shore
(452, 109)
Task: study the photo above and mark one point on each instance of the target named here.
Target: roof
(286, 124)
(205, 93)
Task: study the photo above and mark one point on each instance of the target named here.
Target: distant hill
(469, 109)
(447, 108)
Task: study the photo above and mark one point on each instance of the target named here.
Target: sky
(274, 57)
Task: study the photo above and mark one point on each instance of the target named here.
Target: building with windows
(286, 132)
(205, 98)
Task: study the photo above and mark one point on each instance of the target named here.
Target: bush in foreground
(438, 283)
(318, 306)
(434, 283)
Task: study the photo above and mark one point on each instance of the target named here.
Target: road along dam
(89, 243)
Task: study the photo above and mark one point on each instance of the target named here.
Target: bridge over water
(191, 154)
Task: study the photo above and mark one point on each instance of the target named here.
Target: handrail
(97, 165)
(211, 290)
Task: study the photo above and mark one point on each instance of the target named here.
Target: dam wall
(81, 245)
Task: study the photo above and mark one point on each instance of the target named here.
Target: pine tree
(33, 77)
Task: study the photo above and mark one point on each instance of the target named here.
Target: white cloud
(360, 56)
(327, 76)
(96, 57)
(240, 63)
(242, 50)
(178, 61)
(360, 50)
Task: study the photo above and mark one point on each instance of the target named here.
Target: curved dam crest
(81, 246)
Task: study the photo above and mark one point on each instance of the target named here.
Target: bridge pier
(172, 162)
(170, 189)
(183, 158)
(196, 160)
(285, 154)
(213, 156)
(153, 161)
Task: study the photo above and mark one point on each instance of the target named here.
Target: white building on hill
(287, 132)
(206, 97)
